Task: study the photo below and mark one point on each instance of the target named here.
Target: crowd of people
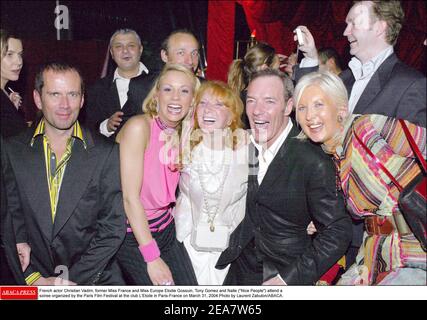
(274, 178)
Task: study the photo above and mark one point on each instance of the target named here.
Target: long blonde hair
(149, 106)
(241, 70)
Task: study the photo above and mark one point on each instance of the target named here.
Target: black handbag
(412, 198)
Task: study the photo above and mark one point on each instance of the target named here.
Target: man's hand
(159, 273)
(114, 121)
(53, 281)
(24, 253)
(309, 47)
(276, 281)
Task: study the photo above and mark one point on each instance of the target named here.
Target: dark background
(97, 20)
(93, 22)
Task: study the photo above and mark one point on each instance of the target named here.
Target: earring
(157, 107)
(339, 119)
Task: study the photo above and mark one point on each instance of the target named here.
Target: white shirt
(213, 178)
(265, 157)
(122, 85)
(363, 74)
(231, 188)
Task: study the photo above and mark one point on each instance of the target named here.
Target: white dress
(213, 178)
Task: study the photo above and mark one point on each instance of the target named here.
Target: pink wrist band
(150, 251)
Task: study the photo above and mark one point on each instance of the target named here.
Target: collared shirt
(54, 171)
(122, 85)
(266, 156)
(55, 168)
(363, 74)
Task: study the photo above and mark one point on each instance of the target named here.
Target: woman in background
(12, 117)
(259, 57)
(12, 122)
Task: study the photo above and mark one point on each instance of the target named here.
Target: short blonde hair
(329, 83)
(149, 105)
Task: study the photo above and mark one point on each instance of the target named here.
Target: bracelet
(150, 251)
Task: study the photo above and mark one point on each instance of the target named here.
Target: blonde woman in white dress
(213, 181)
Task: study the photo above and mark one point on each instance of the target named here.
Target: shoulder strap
(413, 145)
(378, 162)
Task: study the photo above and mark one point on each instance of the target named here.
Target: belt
(384, 226)
(381, 226)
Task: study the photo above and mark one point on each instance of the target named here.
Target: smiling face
(366, 37)
(212, 113)
(182, 49)
(317, 115)
(174, 97)
(60, 100)
(11, 63)
(266, 108)
(126, 52)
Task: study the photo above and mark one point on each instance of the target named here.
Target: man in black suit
(377, 81)
(63, 190)
(291, 182)
(112, 100)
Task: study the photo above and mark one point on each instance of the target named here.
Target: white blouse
(213, 184)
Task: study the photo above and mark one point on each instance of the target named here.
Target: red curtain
(220, 35)
(275, 20)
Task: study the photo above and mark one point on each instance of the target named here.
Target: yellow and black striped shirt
(54, 170)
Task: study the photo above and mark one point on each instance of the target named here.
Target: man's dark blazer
(395, 90)
(299, 187)
(90, 223)
(103, 100)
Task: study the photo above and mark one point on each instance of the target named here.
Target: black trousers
(6, 276)
(173, 253)
(247, 269)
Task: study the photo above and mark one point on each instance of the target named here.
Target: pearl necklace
(205, 174)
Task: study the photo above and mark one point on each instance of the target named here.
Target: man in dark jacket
(291, 182)
(112, 100)
(63, 191)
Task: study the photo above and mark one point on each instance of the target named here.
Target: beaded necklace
(205, 172)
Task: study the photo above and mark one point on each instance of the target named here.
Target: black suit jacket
(395, 90)
(103, 100)
(89, 225)
(299, 187)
